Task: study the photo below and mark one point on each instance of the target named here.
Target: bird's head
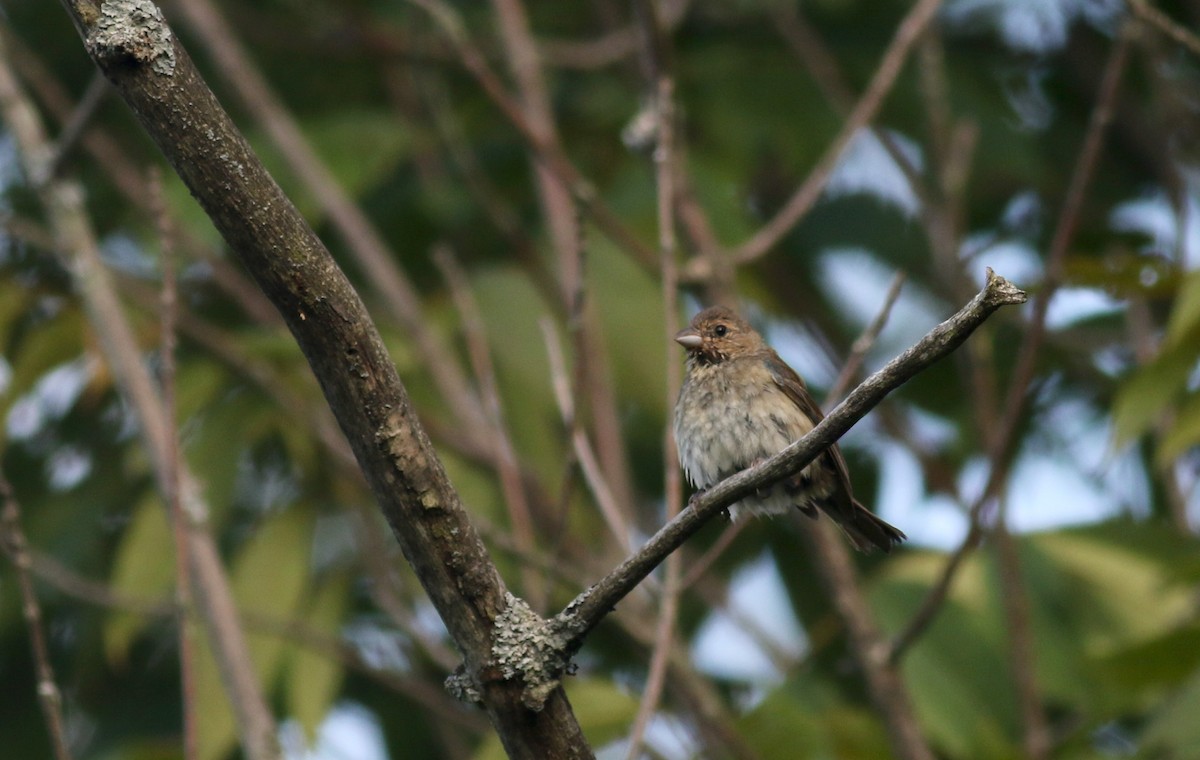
(717, 334)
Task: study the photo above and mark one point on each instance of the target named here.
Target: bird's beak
(688, 338)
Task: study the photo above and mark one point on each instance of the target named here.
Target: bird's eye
(720, 331)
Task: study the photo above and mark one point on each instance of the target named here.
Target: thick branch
(582, 614)
(133, 47)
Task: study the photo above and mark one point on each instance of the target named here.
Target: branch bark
(133, 46)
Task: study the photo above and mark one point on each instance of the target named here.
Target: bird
(740, 404)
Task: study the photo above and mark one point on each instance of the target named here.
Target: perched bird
(740, 404)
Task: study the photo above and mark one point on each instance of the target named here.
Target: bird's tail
(868, 533)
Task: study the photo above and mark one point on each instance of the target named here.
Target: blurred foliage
(1105, 538)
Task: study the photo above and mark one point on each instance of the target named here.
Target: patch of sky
(50, 399)
(745, 641)
(1038, 27)
(124, 253)
(866, 167)
(857, 282)
(349, 730)
(67, 467)
(1154, 215)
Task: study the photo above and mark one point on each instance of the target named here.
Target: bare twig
(864, 112)
(86, 590)
(12, 539)
(1021, 650)
(658, 53)
(75, 126)
(550, 153)
(127, 175)
(833, 561)
(504, 454)
(590, 607)
(613, 515)
(566, 233)
(714, 552)
(863, 343)
(174, 468)
(1180, 34)
(609, 48)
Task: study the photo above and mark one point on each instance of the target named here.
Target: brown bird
(741, 404)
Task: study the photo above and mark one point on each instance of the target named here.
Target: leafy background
(1101, 495)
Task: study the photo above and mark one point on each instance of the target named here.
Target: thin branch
(582, 614)
(1180, 34)
(611, 47)
(863, 343)
(884, 683)
(665, 172)
(126, 174)
(174, 469)
(75, 126)
(12, 539)
(503, 452)
(550, 153)
(1003, 443)
(1021, 649)
(714, 552)
(833, 561)
(610, 510)
(566, 235)
(864, 112)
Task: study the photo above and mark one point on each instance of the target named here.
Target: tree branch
(14, 545)
(129, 41)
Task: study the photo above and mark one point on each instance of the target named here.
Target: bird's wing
(793, 387)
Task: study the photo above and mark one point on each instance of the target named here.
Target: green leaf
(1145, 669)
(1183, 434)
(144, 568)
(1146, 394)
(339, 137)
(314, 678)
(1185, 316)
(52, 344)
(1174, 730)
(1132, 594)
(805, 719)
(269, 577)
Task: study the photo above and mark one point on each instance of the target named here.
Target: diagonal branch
(864, 112)
(590, 607)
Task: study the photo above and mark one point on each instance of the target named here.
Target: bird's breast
(731, 415)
